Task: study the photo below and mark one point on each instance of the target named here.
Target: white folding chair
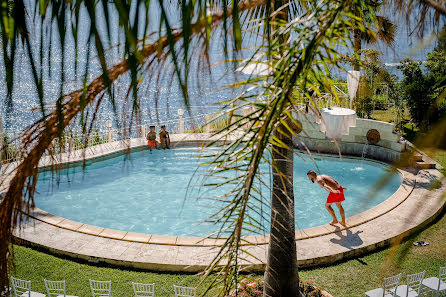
(184, 291)
(413, 287)
(143, 290)
(436, 284)
(22, 288)
(56, 288)
(100, 288)
(389, 288)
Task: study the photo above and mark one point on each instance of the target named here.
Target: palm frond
(263, 131)
(38, 138)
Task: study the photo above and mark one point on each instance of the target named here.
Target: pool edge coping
(398, 197)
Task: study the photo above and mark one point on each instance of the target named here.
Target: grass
(37, 266)
(439, 155)
(347, 279)
(355, 277)
(350, 278)
(387, 115)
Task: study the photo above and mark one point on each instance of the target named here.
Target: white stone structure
(389, 138)
(388, 148)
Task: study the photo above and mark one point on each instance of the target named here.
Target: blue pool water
(153, 192)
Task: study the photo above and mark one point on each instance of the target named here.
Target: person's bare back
(336, 194)
(328, 183)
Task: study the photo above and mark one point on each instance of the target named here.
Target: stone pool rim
(323, 245)
(370, 214)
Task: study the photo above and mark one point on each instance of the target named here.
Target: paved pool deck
(415, 204)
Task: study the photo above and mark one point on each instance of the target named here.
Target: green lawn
(37, 266)
(354, 277)
(350, 278)
(387, 115)
(440, 156)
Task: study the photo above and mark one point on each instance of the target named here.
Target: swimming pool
(146, 192)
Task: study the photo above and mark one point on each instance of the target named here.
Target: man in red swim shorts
(336, 194)
(151, 138)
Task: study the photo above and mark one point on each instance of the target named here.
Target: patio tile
(163, 239)
(89, 229)
(115, 234)
(137, 237)
(70, 225)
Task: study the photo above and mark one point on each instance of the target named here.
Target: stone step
(424, 165)
(416, 157)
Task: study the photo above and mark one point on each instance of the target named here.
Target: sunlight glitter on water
(155, 192)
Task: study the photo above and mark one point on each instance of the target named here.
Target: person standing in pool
(336, 194)
(151, 138)
(164, 138)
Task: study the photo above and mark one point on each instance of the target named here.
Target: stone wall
(389, 139)
(388, 149)
(310, 126)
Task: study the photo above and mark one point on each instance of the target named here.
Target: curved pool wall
(145, 192)
(412, 207)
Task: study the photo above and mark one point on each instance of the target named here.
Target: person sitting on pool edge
(336, 194)
(151, 138)
(164, 138)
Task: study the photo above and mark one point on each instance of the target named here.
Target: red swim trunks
(152, 142)
(333, 197)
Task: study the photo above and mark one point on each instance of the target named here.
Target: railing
(11, 152)
(73, 140)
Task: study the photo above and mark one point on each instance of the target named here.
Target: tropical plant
(254, 288)
(374, 77)
(300, 51)
(383, 30)
(421, 13)
(424, 91)
(266, 135)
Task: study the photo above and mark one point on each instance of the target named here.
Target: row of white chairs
(22, 288)
(416, 286)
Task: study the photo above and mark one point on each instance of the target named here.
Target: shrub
(254, 288)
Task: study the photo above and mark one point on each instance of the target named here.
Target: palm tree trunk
(357, 46)
(281, 274)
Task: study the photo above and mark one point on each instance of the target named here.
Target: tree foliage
(376, 85)
(423, 88)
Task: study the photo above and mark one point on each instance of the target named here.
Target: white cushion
(432, 283)
(377, 293)
(401, 291)
(33, 294)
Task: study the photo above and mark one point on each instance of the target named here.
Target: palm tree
(271, 129)
(297, 62)
(384, 31)
(281, 274)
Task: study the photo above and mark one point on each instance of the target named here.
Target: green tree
(436, 66)
(424, 89)
(371, 83)
(415, 88)
(383, 30)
